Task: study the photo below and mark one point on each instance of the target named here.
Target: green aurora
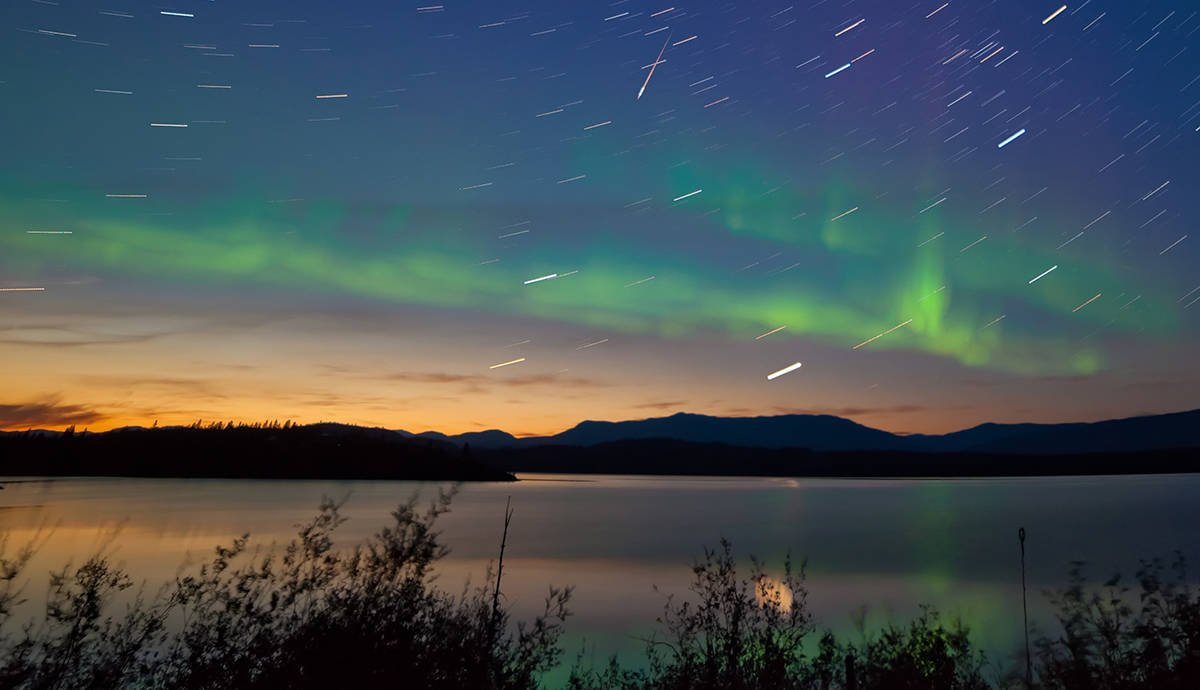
(855, 277)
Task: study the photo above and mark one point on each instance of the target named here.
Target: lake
(889, 545)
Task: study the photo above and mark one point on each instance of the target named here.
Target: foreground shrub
(1112, 639)
(750, 632)
(302, 616)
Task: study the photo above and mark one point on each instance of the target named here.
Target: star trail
(348, 211)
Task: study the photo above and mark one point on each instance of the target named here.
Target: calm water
(889, 545)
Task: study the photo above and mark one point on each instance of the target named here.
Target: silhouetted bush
(750, 633)
(927, 653)
(1113, 639)
(302, 616)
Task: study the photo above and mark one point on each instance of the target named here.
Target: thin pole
(1025, 611)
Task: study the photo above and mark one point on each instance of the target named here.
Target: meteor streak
(843, 67)
(651, 72)
(786, 370)
(1043, 274)
(1010, 139)
(1053, 14)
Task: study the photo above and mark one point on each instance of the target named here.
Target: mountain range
(681, 444)
(825, 433)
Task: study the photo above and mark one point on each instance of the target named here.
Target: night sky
(464, 216)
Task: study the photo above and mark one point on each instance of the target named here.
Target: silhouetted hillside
(319, 451)
(827, 433)
(492, 438)
(649, 456)
(788, 445)
(975, 437)
(1177, 430)
(816, 432)
(671, 457)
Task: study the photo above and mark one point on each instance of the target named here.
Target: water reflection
(888, 545)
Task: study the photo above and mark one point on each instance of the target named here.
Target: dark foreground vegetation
(268, 450)
(307, 615)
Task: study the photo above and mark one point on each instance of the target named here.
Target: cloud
(1161, 386)
(179, 385)
(480, 380)
(1025, 381)
(432, 377)
(66, 337)
(664, 405)
(857, 411)
(97, 329)
(49, 413)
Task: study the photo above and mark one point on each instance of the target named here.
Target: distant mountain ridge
(829, 433)
(815, 432)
